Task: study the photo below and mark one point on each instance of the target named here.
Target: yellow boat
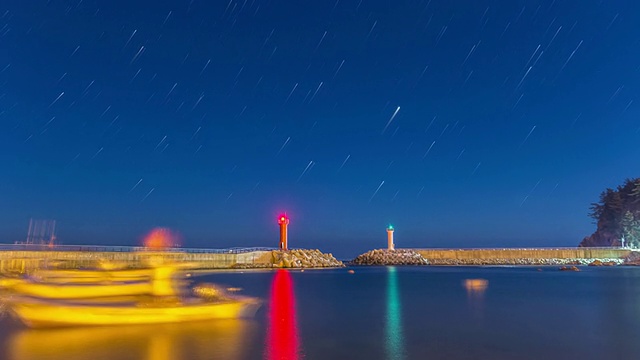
(49, 313)
(87, 276)
(77, 291)
(161, 282)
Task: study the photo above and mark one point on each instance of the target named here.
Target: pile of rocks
(569, 268)
(303, 259)
(632, 259)
(390, 257)
(613, 262)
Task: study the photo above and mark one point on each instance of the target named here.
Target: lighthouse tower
(390, 245)
(283, 221)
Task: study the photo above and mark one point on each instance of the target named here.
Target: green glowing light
(394, 343)
(390, 227)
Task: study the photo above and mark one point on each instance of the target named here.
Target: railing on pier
(98, 248)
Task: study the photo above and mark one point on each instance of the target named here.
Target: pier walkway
(22, 257)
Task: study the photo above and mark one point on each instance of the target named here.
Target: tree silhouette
(617, 215)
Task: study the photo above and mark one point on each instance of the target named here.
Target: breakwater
(525, 256)
(297, 258)
(390, 257)
(525, 253)
(21, 261)
(500, 256)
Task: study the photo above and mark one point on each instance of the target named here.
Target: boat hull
(38, 314)
(78, 291)
(80, 276)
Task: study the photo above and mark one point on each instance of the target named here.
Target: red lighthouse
(283, 221)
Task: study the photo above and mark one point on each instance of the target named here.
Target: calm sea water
(383, 313)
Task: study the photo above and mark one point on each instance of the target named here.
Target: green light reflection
(393, 329)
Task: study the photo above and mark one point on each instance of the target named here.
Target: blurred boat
(75, 284)
(39, 313)
(88, 276)
(119, 297)
(31, 288)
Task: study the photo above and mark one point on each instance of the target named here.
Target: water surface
(382, 313)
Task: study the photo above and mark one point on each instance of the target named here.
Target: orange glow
(475, 285)
(160, 238)
(282, 336)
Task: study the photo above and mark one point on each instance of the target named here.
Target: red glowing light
(282, 337)
(161, 238)
(283, 219)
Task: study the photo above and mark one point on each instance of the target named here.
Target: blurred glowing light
(282, 336)
(161, 238)
(393, 330)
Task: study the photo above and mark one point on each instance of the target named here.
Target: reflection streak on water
(221, 339)
(282, 336)
(475, 294)
(393, 330)
(476, 286)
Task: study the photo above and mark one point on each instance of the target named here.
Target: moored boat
(160, 282)
(51, 313)
(37, 289)
(81, 276)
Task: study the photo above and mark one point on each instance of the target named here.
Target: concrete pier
(524, 253)
(20, 261)
(500, 256)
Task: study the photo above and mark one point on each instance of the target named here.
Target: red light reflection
(282, 336)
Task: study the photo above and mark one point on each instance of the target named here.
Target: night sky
(462, 123)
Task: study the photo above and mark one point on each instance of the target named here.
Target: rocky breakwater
(303, 259)
(390, 257)
(525, 262)
(298, 258)
(633, 259)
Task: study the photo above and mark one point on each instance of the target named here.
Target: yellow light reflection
(393, 329)
(475, 286)
(3, 309)
(475, 294)
(223, 339)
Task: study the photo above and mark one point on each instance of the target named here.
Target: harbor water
(381, 313)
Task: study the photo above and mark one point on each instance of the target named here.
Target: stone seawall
(493, 254)
(390, 257)
(22, 260)
(577, 256)
(526, 261)
(293, 259)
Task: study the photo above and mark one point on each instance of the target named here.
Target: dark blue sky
(463, 123)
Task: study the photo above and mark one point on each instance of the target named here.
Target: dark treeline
(618, 217)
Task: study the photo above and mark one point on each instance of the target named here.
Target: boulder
(569, 268)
